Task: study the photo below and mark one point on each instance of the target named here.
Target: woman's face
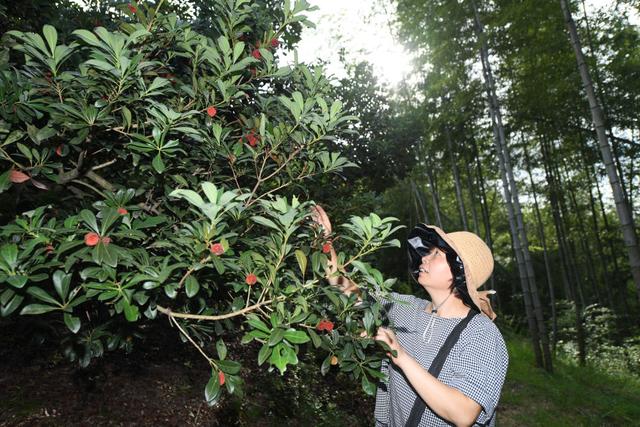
(434, 270)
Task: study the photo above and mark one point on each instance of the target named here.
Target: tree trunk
(604, 270)
(472, 199)
(434, 193)
(584, 241)
(486, 219)
(420, 203)
(563, 248)
(570, 248)
(456, 179)
(620, 292)
(533, 310)
(622, 207)
(598, 88)
(547, 264)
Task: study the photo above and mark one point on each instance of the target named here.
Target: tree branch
(170, 313)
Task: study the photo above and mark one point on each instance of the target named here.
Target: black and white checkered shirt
(477, 364)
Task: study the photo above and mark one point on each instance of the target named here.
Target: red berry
(326, 248)
(106, 240)
(17, 177)
(221, 378)
(91, 239)
(122, 211)
(252, 139)
(275, 43)
(49, 248)
(256, 54)
(325, 325)
(59, 150)
(132, 8)
(211, 111)
(216, 249)
(251, 279)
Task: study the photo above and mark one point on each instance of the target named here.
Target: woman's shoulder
(483, 328)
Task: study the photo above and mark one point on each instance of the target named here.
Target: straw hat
(473, 255)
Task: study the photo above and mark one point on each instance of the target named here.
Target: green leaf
(42, 295)
(266, 222)
(368, 386)
(100, 65)
(25, 151)
(276, 336)
(10, 254)
(237, 50)
(14, 136)
(190, 195)
(296, 337)
(89, 38)
(61, 283)
(298, 99)
(302, 261)
(229, 366)
(126, 115)
(326, 365)
(90, 219)
(317, 341)
(51, 35)
(131, 311)
(279, 358)
(105, 254)
(256, 323)
(37, 309)
(221, 348)
(210, 191)
(158, 164)
(212, 390)
(9, 307)
(264, 353)
(330, 293)
(4, 181)
(17, 281)
(191, 286)
(72, 322)
(335, 108)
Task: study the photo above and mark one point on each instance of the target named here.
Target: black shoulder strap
(436, 366)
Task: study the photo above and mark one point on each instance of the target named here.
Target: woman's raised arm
(333, 270)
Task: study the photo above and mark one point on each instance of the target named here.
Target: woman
(472, 362)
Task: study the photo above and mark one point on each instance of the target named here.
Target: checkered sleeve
(481, 369)
(394, 303)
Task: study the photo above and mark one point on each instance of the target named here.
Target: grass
(571, 396)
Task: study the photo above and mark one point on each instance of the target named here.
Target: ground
(161, 382)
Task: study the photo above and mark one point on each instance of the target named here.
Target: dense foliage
(156, 171)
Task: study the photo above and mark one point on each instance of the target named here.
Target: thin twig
(77, 181)
(171, 319)
(104, 165)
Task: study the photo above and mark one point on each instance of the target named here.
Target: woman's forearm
(448, 402)
(335, 279)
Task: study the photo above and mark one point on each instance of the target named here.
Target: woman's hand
(389, 337)
(320, 216)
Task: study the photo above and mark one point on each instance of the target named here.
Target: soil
(161, 382)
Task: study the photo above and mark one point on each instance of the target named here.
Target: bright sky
(364, 29)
